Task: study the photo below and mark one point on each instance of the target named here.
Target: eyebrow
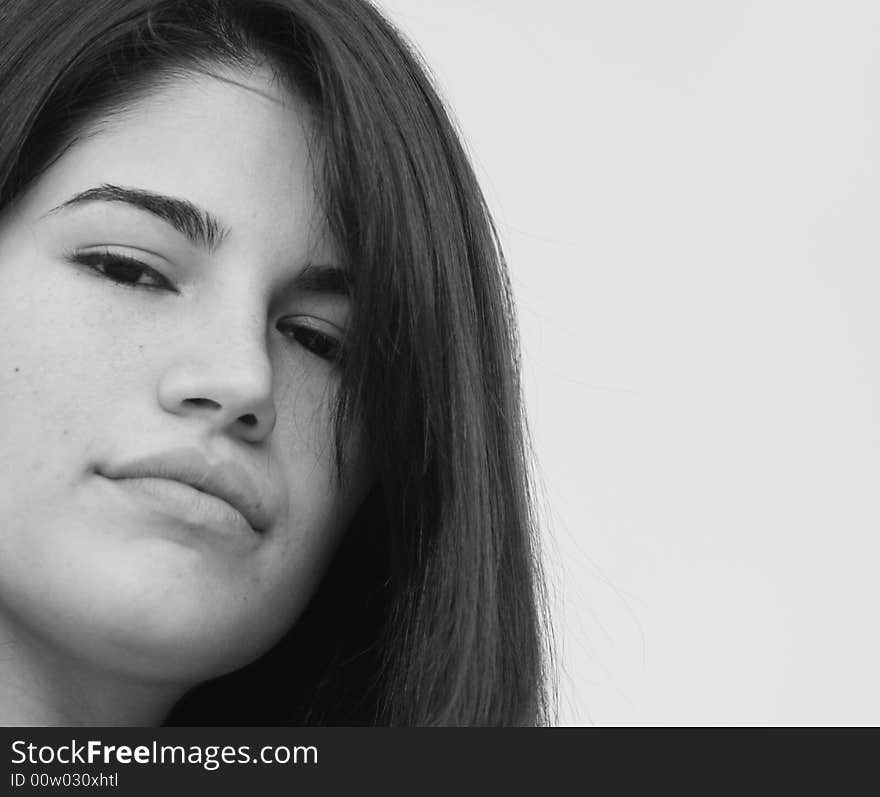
(197, 225)
(203, 229)
(319, 278)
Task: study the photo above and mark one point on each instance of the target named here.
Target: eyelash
(325, 347)
(99, 261)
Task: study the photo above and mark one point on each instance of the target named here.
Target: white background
(688, 194)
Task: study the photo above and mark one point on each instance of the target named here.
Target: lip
(225, 480)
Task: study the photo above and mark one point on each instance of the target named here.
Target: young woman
(263, 453)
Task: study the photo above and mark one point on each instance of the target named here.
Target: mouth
(186, 505)
(185, 483)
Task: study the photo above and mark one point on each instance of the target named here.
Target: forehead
(235, 143)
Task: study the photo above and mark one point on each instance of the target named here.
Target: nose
(222, 375)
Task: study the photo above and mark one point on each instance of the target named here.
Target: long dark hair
(433, 610)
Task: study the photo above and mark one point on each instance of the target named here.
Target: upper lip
(226, 480)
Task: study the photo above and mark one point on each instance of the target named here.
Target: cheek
(303, 444)
(55, 393)
(59, 334)
(59, 384)
(54, 384)
(305, 390)
(320, 508)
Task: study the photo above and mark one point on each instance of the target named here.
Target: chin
(184, 643)
(183, 638)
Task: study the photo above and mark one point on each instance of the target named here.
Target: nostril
(249, 420)
(202, 402)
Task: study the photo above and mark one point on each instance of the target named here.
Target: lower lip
(186, 505)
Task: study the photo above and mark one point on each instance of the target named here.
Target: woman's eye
(122, 269)
(327, 347)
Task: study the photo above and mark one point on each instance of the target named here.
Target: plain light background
(688, 194)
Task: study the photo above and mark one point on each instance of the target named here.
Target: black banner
(427, 761)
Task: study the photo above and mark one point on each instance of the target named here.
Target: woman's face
(169, 314)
